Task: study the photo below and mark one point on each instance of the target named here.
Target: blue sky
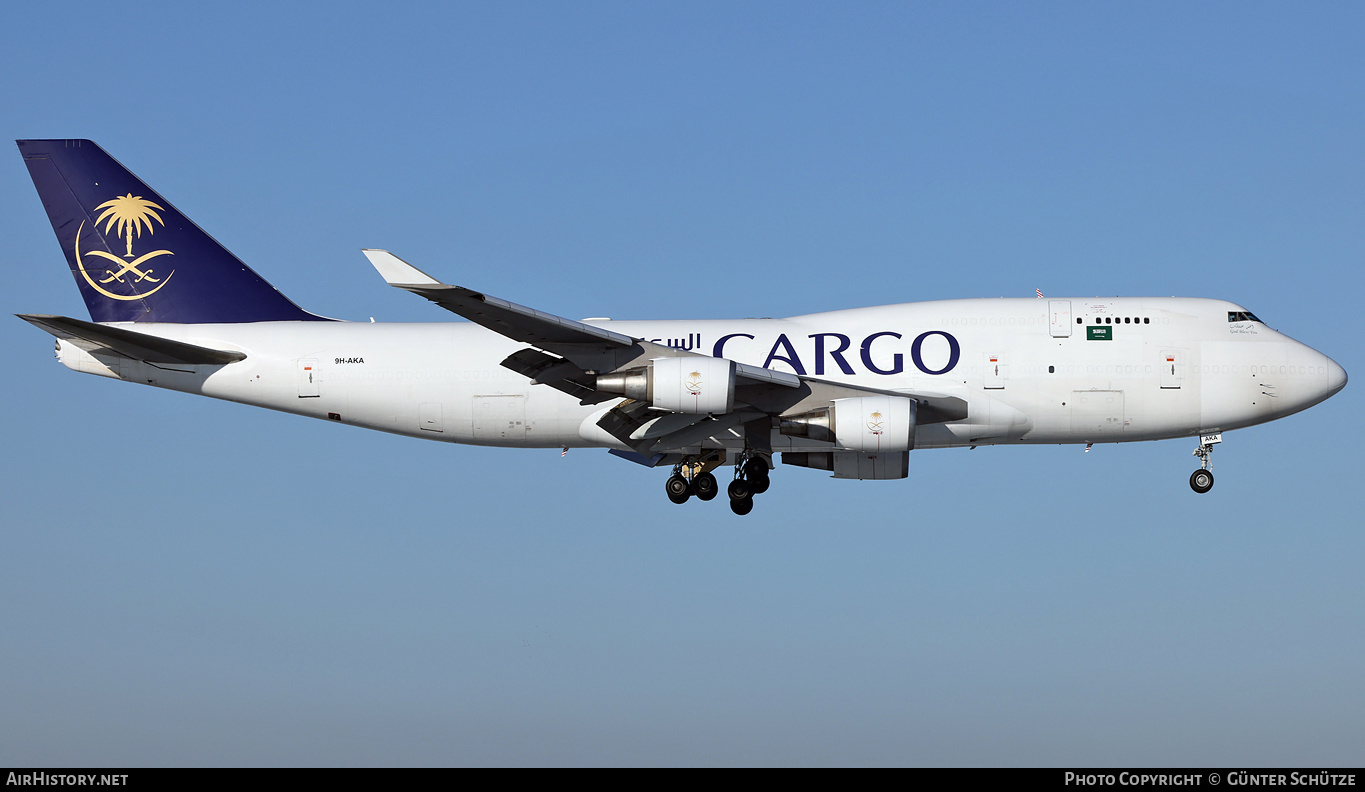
(195, 582)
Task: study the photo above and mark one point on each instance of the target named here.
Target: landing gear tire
(741, 490)
(705, 486)
(756, 473)
(1201, 481)
(678, 489)
(742, 506)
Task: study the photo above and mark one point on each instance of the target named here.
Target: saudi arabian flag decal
(1099, 334)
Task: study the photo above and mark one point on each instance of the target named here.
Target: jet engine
(874, 435)
(871, 424)
(694, 385)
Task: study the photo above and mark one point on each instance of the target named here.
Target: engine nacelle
(694, 385)
(869, 424)
(853, 464)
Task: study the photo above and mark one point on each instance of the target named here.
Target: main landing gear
(1201, 480)
(693, 476)
(751, 478)
(703, 485)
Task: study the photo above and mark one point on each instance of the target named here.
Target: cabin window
(1051, 369)
(1080, 320)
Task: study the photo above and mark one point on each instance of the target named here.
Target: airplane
(849, 392)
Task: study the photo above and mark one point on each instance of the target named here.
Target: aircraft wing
(131, 344)
(588, 346)
(569, 356)
(517, 322)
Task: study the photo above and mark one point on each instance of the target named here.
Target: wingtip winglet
(397, 272)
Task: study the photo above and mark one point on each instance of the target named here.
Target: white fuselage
(1129, 369)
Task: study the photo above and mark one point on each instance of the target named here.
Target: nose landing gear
(1201, 480)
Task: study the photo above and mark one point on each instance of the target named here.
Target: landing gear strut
(1201, 480)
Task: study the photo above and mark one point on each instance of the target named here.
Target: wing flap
(699, 431)
(558, 373)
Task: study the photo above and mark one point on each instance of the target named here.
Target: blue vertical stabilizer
(135, 257)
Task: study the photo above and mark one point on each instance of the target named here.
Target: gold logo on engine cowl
(693, 383)
(876, 423)
(126, 215)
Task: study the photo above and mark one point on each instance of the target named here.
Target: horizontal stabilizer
(138, 346)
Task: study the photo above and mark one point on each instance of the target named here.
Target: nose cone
(1311, 379)
(1336, 377)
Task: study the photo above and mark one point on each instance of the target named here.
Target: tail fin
(135, 257)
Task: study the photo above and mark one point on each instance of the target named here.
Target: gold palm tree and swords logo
(129, 215)
(693, 383)
(876, 423)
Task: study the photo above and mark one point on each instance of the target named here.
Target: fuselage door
(499, 418)
(1172, 370)
(1060, 313)
(996, 371)
(310, 378)
(429, 417)
(1096, 413)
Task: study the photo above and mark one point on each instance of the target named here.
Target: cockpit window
(1242, 316)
